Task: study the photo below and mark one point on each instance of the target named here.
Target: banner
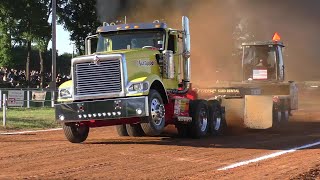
(39, 96)
(15, 98)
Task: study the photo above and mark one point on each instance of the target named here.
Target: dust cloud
(219, 26)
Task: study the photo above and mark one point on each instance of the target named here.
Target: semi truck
(138, 79)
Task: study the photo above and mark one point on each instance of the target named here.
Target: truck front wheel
(134, 130)
(76, 132)
(122, 130)
(154, 124)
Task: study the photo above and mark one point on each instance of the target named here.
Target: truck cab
(263, 62)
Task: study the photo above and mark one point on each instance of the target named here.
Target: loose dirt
(48, 155)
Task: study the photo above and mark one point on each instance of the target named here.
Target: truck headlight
(138, 87)
(65, 93)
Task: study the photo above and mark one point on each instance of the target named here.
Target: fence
(25, 98)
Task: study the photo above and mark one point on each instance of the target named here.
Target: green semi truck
(138, 80)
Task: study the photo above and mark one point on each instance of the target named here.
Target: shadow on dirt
(295, 134)
(303, 129)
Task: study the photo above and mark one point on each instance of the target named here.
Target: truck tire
(284, 117)
(199, 113)
(183, 130)
(285, 112)
(122, 130)
(134, 130)
(75, 132)
(276, 118)
(217, 122)
(154, 124)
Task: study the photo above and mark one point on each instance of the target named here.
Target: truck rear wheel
(217, 122)
(199, 113)
(183, 130)
(276, 118)
(134, 130)
(76, 132)
(285, 117)
(154, 124)
(285, 111)
(122, 130)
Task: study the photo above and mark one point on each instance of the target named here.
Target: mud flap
(258, 112)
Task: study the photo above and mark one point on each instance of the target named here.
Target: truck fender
(155, 83)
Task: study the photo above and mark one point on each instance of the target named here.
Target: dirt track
(106, 156)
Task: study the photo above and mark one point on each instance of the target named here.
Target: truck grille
(95, 79)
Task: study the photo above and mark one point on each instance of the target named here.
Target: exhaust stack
(186, 57)
(186, 49)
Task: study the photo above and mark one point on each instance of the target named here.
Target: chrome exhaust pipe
(186, 48)
(186, 57)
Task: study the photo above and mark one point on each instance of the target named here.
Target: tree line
(25, 32)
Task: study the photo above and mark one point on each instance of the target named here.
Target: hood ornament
(96, 60)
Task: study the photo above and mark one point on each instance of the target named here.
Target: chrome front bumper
(108, 109)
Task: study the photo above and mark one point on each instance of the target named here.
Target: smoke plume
(219, 26)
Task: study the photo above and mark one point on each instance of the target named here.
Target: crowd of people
(13, 78)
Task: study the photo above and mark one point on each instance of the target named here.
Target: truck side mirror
(88, 44)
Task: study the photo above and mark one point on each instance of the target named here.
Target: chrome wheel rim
(157, 111)
(203, 119)
(217, 123)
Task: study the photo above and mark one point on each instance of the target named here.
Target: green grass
(33, 118)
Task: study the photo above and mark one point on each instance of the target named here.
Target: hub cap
(81, 129)
(217, 123)
(157, 111)
(203, 119)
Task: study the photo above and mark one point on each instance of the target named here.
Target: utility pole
(54, 51)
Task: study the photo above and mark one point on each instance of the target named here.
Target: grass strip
(27, 119)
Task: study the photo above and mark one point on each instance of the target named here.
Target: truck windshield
(133, 39)
(259, 62)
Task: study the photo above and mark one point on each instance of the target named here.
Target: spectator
(16, 78)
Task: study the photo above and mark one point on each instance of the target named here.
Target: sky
(64, 45)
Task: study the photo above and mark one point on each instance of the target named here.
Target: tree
(34, 27)
(79, 18)
(43, 36)
(6, 22)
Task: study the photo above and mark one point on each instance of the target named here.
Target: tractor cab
(263, 61)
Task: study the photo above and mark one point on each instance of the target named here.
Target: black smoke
(214, 26)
